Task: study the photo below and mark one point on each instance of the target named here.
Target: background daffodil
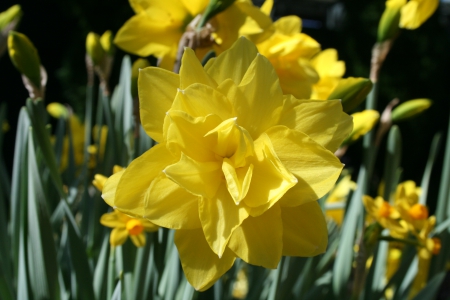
(239, 166)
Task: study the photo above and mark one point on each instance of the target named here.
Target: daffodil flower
(407, 203)
(157, 26)
(385, 214)
(125, 226)
(238, 166)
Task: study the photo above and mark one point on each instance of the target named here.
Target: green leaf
(435, 145)
(41, 251)
(101, 269)
(117, 295)
(392, 161)
(79, 260)
(37, 115)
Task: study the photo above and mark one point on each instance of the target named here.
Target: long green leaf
(435, 145)
(101, 269)
(392, 161)
(432, 288)
(42, 264)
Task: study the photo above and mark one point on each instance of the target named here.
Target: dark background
(417, 66)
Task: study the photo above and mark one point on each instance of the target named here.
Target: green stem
(111, 272)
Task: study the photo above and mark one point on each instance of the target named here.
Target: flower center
(385, 210)
(134, 227)
(418, 212)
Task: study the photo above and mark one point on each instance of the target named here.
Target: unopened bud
(410, 109)
(106, 40)
(363, 122)
(25, 57)
(388, 27)
(12, 14)
(94, 48)
(352, 91)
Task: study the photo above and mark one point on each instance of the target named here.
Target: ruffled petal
(259, 240)
(323, 121)
(262, 97)
(110, 187)
(199, 178)
(136, 179)
(316, 168)
(288, 25)
(304, 230)
(199, 100)
(192, 71)
(220, 216)
(184, 133)
(240, 56)
(202, 266)
(169, 205)
(157, 89)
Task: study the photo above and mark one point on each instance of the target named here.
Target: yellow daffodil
(238, 166)
(125, 226)
(363, 122)
(157, 26)
(330, 71)
(407, 203)
(289, 50)
(415, 12)
(339, 195)
(385, 214)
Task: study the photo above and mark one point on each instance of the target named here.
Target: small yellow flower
(238, 166)
(385, 214)
(406, 202)
(125, 226)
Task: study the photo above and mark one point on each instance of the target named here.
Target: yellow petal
(144, 34)
(220, 216)
(138, 240)
(267, 7)
(169, 205)
(111, 220)
(270, 178)
(199, 178)
(288, 25)
(195, 7)
(110, 187)
(258, 110)
(199, 100)
(416, 12)
(187, 134)
(118, 236)
(258, 241)
(157, 89)
(136, 179)
(202, 267)
(238, 180)
(323, 121)
(192, 71)
(255, 15)
(316, 168)
(232, 64)
(149, 226)
(304, 230)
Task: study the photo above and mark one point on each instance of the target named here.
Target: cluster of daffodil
(231, 149)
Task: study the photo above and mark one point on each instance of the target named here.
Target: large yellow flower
(158, 25)
(238, 167)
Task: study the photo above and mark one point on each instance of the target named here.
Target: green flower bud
(352, 91)
(388, 27)
(94, 48)
(14, 13)
(140, 63)
(25, 57)
(57, 110)
(409, 109)
(106, 40)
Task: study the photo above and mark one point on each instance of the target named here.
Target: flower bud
(12, 14)
(363, 122)
(94, 48)
(388, 27)
(409, 109)
(106, 40)
(352, 91)
(25, 57)
(140, 63)
(57, 110)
